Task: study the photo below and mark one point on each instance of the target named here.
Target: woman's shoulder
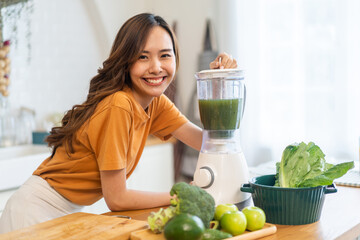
(162, 101)
(119, 99)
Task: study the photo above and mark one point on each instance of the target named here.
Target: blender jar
(221, 96)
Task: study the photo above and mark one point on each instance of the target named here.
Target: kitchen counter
(340, 219)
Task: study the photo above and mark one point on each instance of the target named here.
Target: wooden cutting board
(147, 234)
(79, 226)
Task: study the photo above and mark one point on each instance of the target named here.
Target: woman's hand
(223, 60)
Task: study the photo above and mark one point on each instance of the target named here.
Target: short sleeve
(108, 134)
(167, 118)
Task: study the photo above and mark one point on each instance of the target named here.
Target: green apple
(255, 218)
(223, 208)
(233, 222)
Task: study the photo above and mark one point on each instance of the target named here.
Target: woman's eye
(166, 55)
(143, 57)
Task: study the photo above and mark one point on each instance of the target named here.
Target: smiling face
(152, 73)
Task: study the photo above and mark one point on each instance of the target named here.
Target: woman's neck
(143, 101)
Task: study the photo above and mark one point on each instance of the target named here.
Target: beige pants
(34, 202)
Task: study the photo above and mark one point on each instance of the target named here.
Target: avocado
(184, 226)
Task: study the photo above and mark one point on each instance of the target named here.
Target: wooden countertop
(79, 226)
(340, 219)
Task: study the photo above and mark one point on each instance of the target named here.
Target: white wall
(71, 38)
(64, 56)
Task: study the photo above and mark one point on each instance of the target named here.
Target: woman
(100, 141)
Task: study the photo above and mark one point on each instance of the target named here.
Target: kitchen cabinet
(155, 171)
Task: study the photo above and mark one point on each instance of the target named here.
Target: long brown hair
(112, 77)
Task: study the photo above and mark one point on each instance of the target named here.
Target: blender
(221, 167)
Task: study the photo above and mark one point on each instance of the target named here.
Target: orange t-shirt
(113, 138)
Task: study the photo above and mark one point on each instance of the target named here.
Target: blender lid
(231, 73)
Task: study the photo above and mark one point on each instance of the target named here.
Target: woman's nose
(155, 66)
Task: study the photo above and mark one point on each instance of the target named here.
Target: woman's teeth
(154, 80)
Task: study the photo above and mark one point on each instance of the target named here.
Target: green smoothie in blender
(220, 114)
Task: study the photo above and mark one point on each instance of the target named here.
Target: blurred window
(302, 63)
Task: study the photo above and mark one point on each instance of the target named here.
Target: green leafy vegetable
(303, 165)
(186, 199)
(328, 177)
(193, 200)
(157, 220)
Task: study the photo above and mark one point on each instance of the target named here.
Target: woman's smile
(155, 81)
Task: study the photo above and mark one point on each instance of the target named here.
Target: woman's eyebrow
(166, 50)
(162, 50)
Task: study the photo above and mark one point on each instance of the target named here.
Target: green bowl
(287, 206)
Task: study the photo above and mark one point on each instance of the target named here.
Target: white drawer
(18, 163)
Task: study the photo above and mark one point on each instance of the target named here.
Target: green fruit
(233, 223)
(223, 208)
(255, 218)
(184, 226)
(213, 234)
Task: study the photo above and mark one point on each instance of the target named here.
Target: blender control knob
(204, 178)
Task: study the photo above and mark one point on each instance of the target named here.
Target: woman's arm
(118, 197)
(190, 134)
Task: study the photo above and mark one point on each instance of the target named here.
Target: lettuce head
(303, 165)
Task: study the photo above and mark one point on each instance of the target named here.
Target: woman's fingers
(233, 64)
(214, 64)
(223, 60)
(226, 62)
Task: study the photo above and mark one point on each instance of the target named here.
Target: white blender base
(221, 175)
